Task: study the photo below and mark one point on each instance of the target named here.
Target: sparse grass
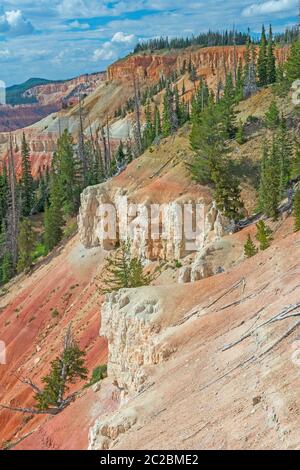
(55, 313)
(70, 230)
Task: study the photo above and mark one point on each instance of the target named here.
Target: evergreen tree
(7, 267)
(208, 140)
(122, 271)
(262, 60)
(65, 370)
(240, 135)
(282, 84)
(264, 235)
(157, 122)
(167, 112)
(250, 249)
(26, 246)
(272, 117)
(26, 183)
(293, 62)
(284, 156)
(53, 218)
(120, 156)
(297, 210)
(149, 130)
(271, 61)
(227, 104)
(3, 195)
(227, 194)
(270, 181)
(239, 88)
(66, 169)
(295, 167)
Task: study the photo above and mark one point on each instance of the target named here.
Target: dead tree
(71, 368)
(81, 148)
(137, 107)
(105, 153)
(13, 213)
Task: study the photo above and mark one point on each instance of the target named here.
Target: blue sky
(62, 39)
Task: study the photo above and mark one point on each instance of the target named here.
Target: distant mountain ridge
(15, 93)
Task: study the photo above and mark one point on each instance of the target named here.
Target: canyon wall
(213, 63)
(49, 98)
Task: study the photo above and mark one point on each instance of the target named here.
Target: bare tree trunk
(105, 153)
(137, 114)
(81, 149)
(13, 209)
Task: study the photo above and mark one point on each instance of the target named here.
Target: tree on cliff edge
(122, 271)
(65, 370)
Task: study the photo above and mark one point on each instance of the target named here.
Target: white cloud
(106, 52)
(271, 6)
(13, 22)
(76, 24)
(123, 38)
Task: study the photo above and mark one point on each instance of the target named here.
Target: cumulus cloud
(123, 38)
(106, 52)
(271, 6)
(14, 23)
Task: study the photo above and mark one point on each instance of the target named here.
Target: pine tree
(149, 131)
(7, 267)
(270, 181)
(262, 60)
(285, 156)
(65, 168)
(239, 87)
(271, 61)
(272, 117)
(3, 195)
(295, 167)
(157, 122)
(250, 249)
(240, 135)
(167, 112)
(26, 183)
(227, 104)
(53, 218)
(264, 235)
(297, 210)
(122, 271)
(293, 63)
(26, 245)
(227, 194)
(120, 156)
(65, 370)
(208, 140)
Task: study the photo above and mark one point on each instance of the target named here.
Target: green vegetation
(264, 235)
(15, 93)
(65, 370)
(123, 271)
(297, 210)
(250, 249)
(98, 374)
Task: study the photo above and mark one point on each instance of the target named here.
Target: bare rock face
(107, 429)
(99, 202)
(131, 325)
